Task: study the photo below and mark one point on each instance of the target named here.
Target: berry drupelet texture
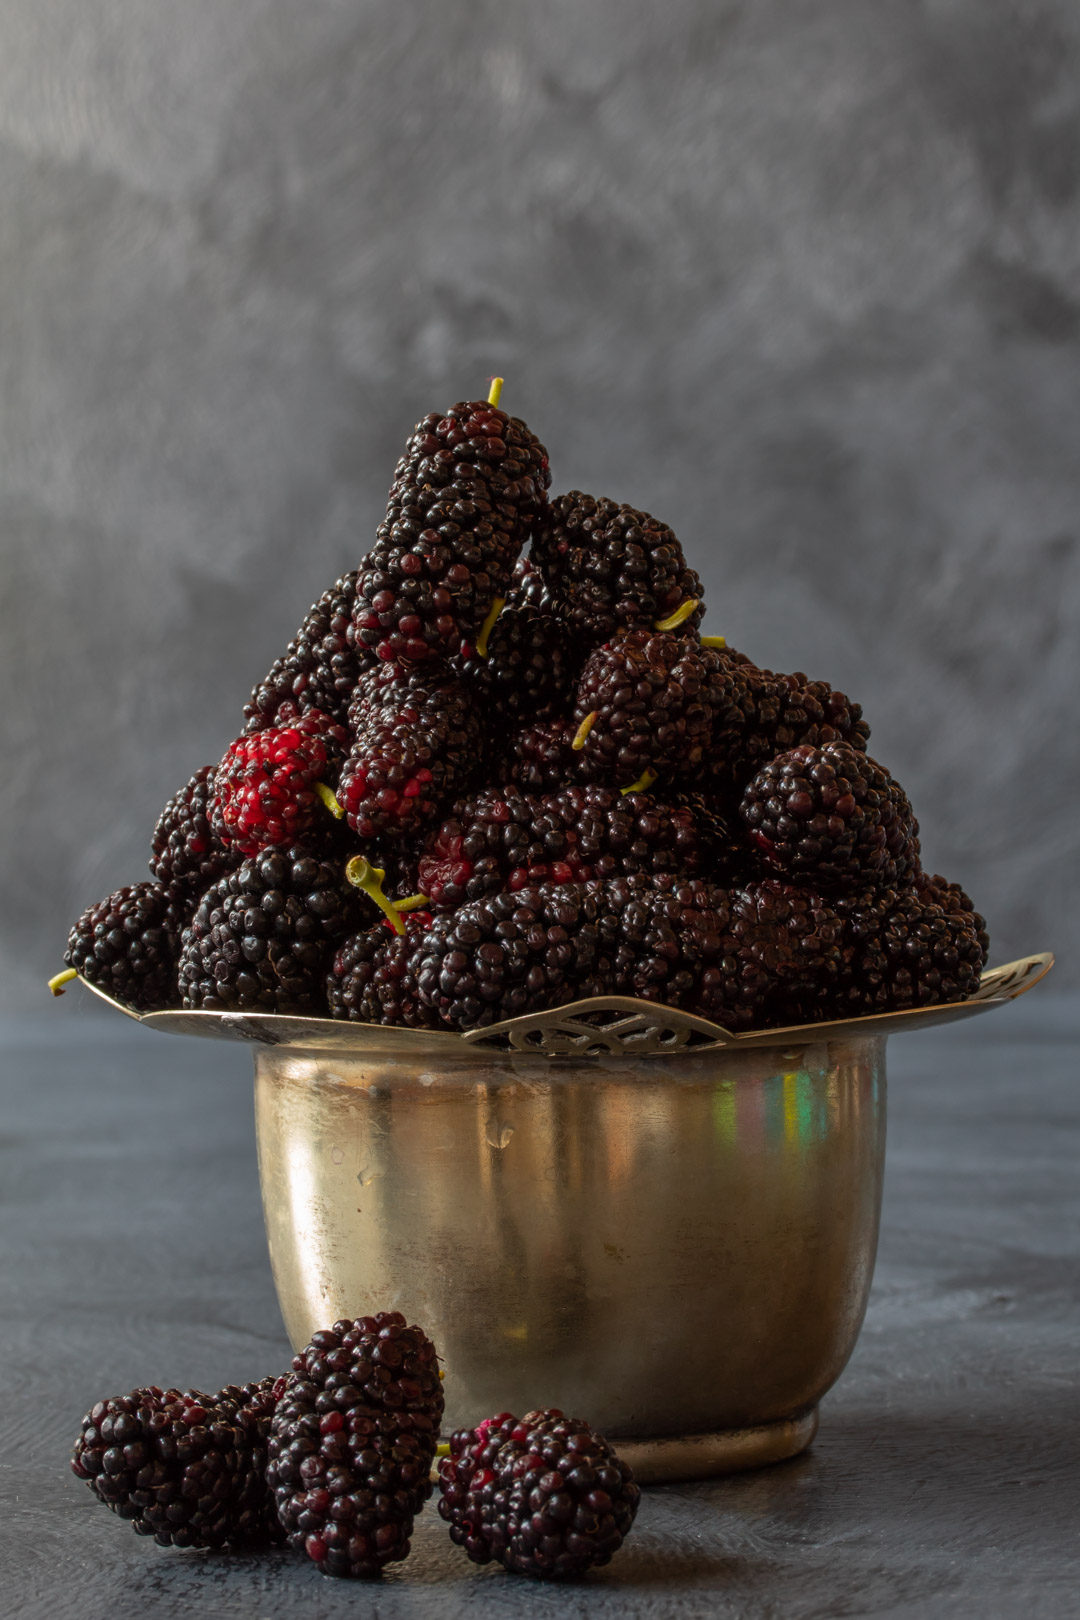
(186, 1468)
(465, 496)
(783, 959)
(510, 954)
(831, 817)
(352, 1443)
(938, 891)
(612, 568)
(661, 935)
(265, 793)
(497, 839)
(618, 833)
(724, 856)
(127, 944)
(544, 1495)
(184, 849)
(529, 587)
(372, 979)
(536, 758)
(262, 937)
(418, 738)
(758, 714)
(509, 709)
(528, 662)
(502, 838)
(320, 666)
(915, 947)
(644, 701)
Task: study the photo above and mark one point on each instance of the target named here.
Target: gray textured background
(801, 278)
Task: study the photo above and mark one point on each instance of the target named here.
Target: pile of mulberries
(335, 1459)
(499, 767)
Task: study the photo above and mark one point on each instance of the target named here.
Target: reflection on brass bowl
(614, 1208)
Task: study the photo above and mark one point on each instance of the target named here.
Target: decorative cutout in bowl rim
(601, 1026)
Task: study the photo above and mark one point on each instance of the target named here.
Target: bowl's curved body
(614, 1207)
(669, 1246)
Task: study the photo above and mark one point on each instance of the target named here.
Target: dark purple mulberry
(262, 937)
(612, 568)
(938, 891)
(352, 1443)
(759, 714)
(502, 839)
(660, 935)
(644, 701)
(318, 669)
(186, 1468)
(908, 949)
(184, 849)
(537, 758)
(528, 662)
(783, 960)
(418, 740)
(544, 1495)
(464, 498)
(510, 954)
(833, 818)
(127, 945)
(373, 976)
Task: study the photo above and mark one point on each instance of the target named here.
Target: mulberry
(319, 668)
(267, 786)
(613, 568)
(186, 1468)
(464, 498)
(418, 739)
(544, 1495)
(352, 1443)
(184, 849)
(645, 702)
(127, 945)
(833, 818)
(262, 937)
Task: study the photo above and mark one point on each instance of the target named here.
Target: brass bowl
(613, 1208)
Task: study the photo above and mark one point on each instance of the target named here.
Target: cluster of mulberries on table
(499, 768)
(335, 1459)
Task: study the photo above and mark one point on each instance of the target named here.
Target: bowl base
(725, 1451)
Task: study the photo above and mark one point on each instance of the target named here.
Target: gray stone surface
(945, 1480)
(802, 278)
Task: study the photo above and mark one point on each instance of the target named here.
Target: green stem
(59, 980)
(680, 615)
(643, 783)
(497, 605)
(329, 798)
(578, 740)
(360, 872)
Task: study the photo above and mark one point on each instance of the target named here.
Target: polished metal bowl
(613, 1208)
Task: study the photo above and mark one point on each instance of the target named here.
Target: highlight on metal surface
(528, 1211)
(728, 1451)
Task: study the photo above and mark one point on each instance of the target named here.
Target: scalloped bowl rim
(601, 1023)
